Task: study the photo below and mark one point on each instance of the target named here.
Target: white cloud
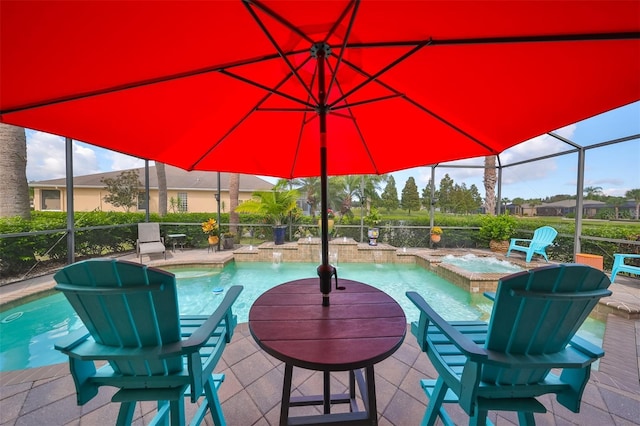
(124, 162)
(45, 156)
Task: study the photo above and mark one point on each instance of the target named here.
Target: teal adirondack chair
(542, 238)
(130, 312)
(506, 364)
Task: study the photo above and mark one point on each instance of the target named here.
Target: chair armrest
(513, 240)
(89, 350)
(491, 295)
(72, 340)
(627, 256)
(200, 336)
(586, 347)
(462, 342)
(570, 357)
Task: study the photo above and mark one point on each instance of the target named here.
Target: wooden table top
(361, 327)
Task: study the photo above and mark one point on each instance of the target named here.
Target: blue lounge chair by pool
(130, 312)
(542, 238)
(620, 266)
(506, 364)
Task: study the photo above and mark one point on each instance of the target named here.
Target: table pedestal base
(368, 416)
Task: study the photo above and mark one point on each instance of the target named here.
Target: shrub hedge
(103, 233)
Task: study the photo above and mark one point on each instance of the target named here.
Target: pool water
(26, 341)
(481, 264)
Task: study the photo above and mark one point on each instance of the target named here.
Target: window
(182, 202)
(142, 200)
(51, 199)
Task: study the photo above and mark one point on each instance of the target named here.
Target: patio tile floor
(251, 392)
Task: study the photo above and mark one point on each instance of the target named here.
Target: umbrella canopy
(310, 88)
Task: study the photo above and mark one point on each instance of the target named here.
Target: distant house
(565, 207)
(186, 191)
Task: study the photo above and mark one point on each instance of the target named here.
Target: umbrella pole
(325, 271)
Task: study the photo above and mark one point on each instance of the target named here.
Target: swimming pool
(27, 339)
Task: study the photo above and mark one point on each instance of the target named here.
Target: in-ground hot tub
(474, 272)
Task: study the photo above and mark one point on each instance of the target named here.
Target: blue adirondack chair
(506, 364)
(542, 238)
(130, 312)
(620, 266)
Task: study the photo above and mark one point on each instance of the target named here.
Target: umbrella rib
(271, 90)
(379, 73)
(356, 5)
(368, 101)
(415, 103)
(275, 44)
(136, 84)
(627, 35)
(256, 107)
(275, 16)
(357, 127)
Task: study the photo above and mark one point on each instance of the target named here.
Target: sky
(614, 168)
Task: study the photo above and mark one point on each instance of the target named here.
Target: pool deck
(252, 389)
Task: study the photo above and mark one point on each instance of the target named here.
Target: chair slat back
(148, 232)
(544, 236)
(538, 312)
(125, 305)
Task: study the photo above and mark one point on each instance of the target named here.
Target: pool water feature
(481, 264)
(27, 341)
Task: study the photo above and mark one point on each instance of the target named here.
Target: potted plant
(498, 230)
(210, 227)
(436, 234)
(228, 240)
(372, 220)
(275, 205)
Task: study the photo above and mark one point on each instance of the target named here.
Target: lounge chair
(620, 266)
(130, 312)
(506, 364)
(149, 240)
(542, 237)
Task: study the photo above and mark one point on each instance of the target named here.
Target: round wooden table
(360, 328)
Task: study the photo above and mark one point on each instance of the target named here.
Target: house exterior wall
(89, 199)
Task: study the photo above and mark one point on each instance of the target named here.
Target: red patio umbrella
(314, 88)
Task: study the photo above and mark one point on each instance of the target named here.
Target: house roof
(572, 203)
(176, 179)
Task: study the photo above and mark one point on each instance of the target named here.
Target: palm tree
(534, 202)
(234, 193)
(351, 189)
(518, 202)
(504, 203)
(490, 180)
(311, 187)
(592, 192)
(616, 202)
(162, 189)
(372, 183)
(274, 205)
(635, 195)
(14, 191)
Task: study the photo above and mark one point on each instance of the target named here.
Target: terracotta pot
(436, 238)
(213, 239)
(499, 246)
